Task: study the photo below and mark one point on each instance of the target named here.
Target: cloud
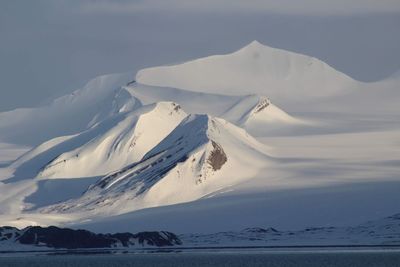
(286, 7)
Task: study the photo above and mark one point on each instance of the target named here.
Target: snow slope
(125, 143)
(107, 146)
(283, 76)
(202, 155)
(31, 163)
(321, 180)
(100, 98)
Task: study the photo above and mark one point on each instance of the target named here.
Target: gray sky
(49, 48)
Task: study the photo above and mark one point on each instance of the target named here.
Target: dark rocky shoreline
(55, 237)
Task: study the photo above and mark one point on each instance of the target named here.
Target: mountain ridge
(253, 69)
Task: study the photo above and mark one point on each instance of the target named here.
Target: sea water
(207, 258)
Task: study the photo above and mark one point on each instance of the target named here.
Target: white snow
(125, 143)
(200, 156)
(283, 76)
(325, 150)
(69, 114)
(240, 110)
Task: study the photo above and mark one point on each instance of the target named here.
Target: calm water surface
(208, 258)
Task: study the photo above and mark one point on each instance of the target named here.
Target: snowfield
(261, 137)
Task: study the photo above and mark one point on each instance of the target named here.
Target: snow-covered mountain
(283, 76)
(125, 143)
(99, 99)
(176, 147)
(201, 155)
(107, 146)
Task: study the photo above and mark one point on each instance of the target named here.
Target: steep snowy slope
(283, 76)
(201, 156)
(123, 144)
(31, 163)
(104, 148)
(69, 114)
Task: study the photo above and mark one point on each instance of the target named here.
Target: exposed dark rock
(55, 237)
(64, 238)
(395, 217)
(7, 233)
(131, 82)
(159, 239)
(260, 230)
(217, 157)
(177, 107)
(264, 103)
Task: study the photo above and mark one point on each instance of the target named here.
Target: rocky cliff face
(54, 237)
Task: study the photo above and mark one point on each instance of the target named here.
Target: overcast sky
(49, 48)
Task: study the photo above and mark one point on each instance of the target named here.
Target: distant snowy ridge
(99, 99)
(255, 69)
(105, 97)
(252, 112)
(383, 232)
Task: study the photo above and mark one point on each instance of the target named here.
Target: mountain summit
(255, 69)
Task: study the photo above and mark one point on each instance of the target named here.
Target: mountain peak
(257, 47)
(255, 44)
(194, 129)
(285, 76)
(203, 125)
(202, 119)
